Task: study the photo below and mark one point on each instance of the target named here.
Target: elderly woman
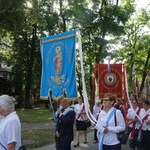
(10, 128)
(106, 126)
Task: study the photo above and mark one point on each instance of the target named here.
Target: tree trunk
(30, 69)
(145, 71)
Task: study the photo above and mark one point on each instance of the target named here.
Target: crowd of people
(66, 117)
(109, 113)
(137, 116)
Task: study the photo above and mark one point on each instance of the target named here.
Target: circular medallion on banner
(110, 78)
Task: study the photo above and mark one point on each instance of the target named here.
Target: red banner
(109, 80)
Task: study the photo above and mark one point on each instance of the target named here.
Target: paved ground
(82, 146)
(89, 145)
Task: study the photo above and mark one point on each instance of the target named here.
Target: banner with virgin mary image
(58, 66)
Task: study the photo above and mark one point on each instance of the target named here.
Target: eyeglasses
(105, 100)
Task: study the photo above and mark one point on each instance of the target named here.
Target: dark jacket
(65, 126)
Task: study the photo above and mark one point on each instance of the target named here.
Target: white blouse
(96, 111)
(131, 115)
(111, 136)
(145, 126)
(77, 109)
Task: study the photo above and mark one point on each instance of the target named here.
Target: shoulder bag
(123, 135)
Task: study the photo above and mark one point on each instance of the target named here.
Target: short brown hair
(112, 97)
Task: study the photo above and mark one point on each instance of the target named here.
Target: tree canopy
(108, 28)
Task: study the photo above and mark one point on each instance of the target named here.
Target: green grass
(41, 137)
(34, 115)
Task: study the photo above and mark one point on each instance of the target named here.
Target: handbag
(123, 135)
(88, 123)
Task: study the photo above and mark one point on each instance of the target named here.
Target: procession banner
(109, 81)
(58, 66)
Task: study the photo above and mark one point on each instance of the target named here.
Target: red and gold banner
(109, 81)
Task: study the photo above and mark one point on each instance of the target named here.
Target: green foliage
(11, 14)
(103, 25)
(136, 41)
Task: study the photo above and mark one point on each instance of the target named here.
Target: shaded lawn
(41, 137)
(34, 115)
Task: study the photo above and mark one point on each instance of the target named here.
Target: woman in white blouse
(146, 125)
(80, 121)
(106, 125)
(135, 123)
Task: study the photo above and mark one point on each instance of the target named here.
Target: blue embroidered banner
(58, 66)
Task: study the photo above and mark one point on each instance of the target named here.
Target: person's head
(98, 102)
(65, 103)
(6, 105)
(134, 103)
(109, 100)
(133, 97)
(146, 104)
(80, 100)
(58, 49)
(119, 101)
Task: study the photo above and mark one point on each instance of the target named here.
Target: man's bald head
(65, 103)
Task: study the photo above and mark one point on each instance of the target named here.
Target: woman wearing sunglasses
(107, 130)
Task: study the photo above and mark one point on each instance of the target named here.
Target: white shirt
(131, 115)
(77, 110)
(96, 111)
(111, 136)
(10, 131)
(1, 117)
(145, 126)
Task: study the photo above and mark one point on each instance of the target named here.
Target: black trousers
(57, 143)
(95, 135)
(134, 143)
(65, 145)
(146, 139)
(112, 147)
